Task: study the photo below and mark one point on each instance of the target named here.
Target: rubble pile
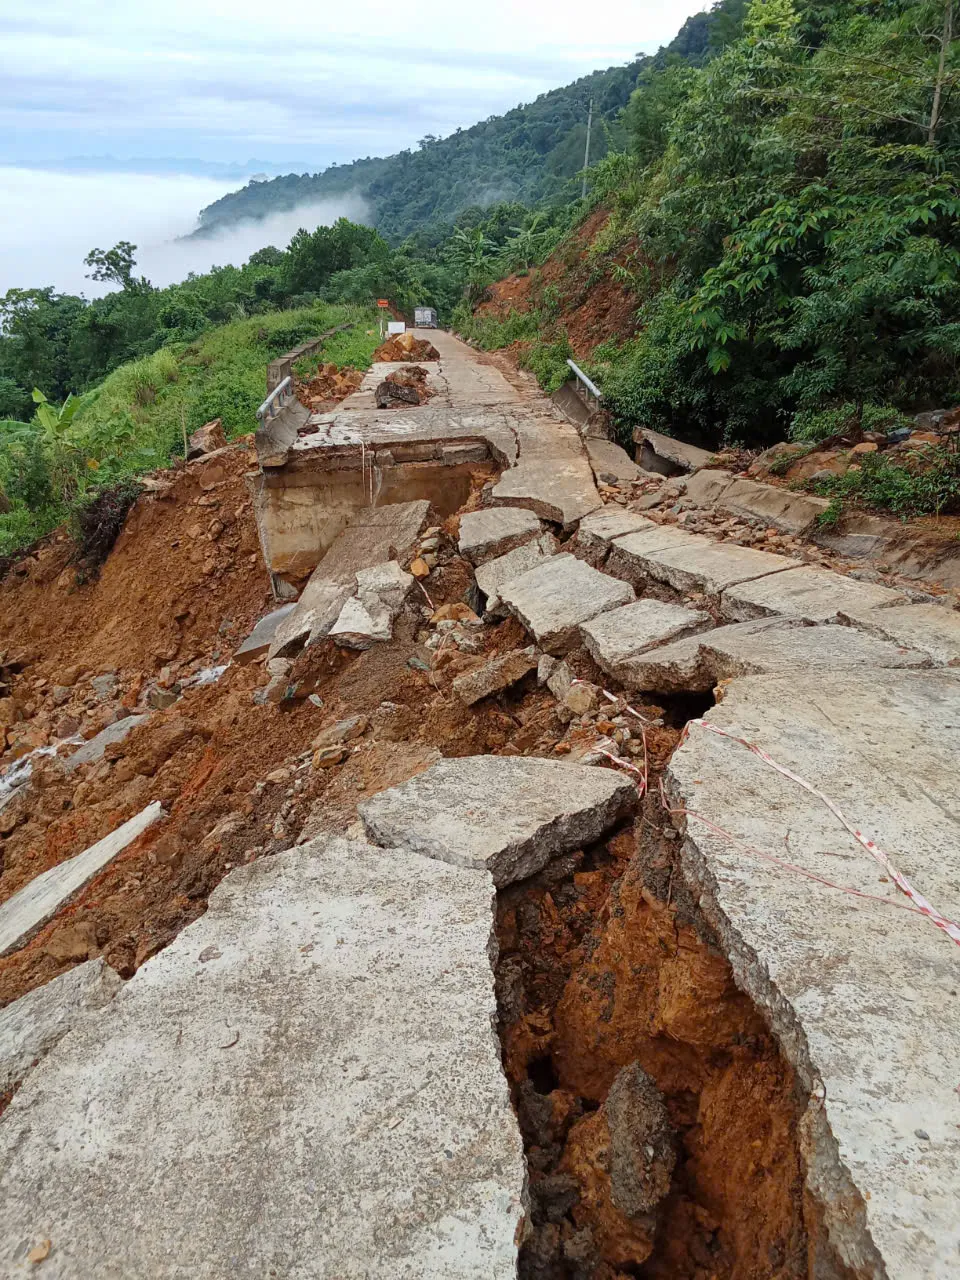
(405, 346)
(327, 387)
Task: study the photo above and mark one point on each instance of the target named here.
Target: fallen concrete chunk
(23, 914)
(667, 456)
(859, 995)
(596, 532)
(553, 599)
(305, 1083)
(930, 628)
(508, 814)
(495, 675)
(312, 617)
(611, 464)
(623, 633)
(758, 648)
(815, 594)
(368, 616)
(494, 531)
(32, 1025)
(262, 636)
(492, 575)
(94, 748)
(712, 568)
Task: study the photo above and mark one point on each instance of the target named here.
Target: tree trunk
(938, 87)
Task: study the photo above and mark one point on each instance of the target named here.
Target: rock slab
(510, 815)
(554, 599)
(305, 1083)
(498, 673)
(23, 914)
(261, 637)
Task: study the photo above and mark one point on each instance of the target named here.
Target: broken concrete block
(760, 647)
(492, 575)
(367, 618)
(929, 628)
(629, 554)
(499, 673)
(581, 698)
(374, 536)
(312, 617)
(712, 567)
(29, 909)
(667, 456)
(705, 488)
(622, 633)
(785, 509)
(608, 459)
(553, 479)
(32, 1025)
(805, 592)
(494, 531)
(306, 1081)
(94, 748)
(261, 637)
(823, 966)
(596, 532)
(510, 815)
(553, 599)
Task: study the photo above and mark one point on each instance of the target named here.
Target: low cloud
(49, 221)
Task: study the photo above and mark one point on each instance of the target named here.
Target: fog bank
(49, 221)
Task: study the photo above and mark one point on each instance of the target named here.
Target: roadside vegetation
(64, 458)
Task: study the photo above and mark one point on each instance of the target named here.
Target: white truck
(424, 318)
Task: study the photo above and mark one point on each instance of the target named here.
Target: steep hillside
(530, 153)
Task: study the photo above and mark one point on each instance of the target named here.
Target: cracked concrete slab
(711, 568)
(611, 464)
(32, 1025)
(494, 573)
(367, 618)
(497, 674)
(629, 554)
(861, 996)
(596, 532)
(29, 909)
(930, 628)
(306, 1082)
(760, 647)
(510, 815)
(555, 598)
(623, 633)
(262, 636)
(805, 592)
(493, 531)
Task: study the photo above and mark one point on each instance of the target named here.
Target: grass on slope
(134, 421)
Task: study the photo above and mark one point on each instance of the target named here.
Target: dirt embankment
(578, 290)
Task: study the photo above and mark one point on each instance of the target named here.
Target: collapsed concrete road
(554, 980)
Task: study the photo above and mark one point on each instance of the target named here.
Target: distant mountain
(531, 153)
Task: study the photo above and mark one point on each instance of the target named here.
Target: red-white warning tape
(920, 903)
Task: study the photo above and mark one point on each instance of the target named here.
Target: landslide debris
(329, 385)
(405, 346)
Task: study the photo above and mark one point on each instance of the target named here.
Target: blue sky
(231, 80)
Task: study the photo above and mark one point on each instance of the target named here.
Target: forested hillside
(530, 154)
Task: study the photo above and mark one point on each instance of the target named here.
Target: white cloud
(222, 79)
(50, 221)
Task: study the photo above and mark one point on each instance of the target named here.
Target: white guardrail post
(275, 401)
(582, 377)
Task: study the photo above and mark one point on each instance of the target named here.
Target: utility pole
(586, 153)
